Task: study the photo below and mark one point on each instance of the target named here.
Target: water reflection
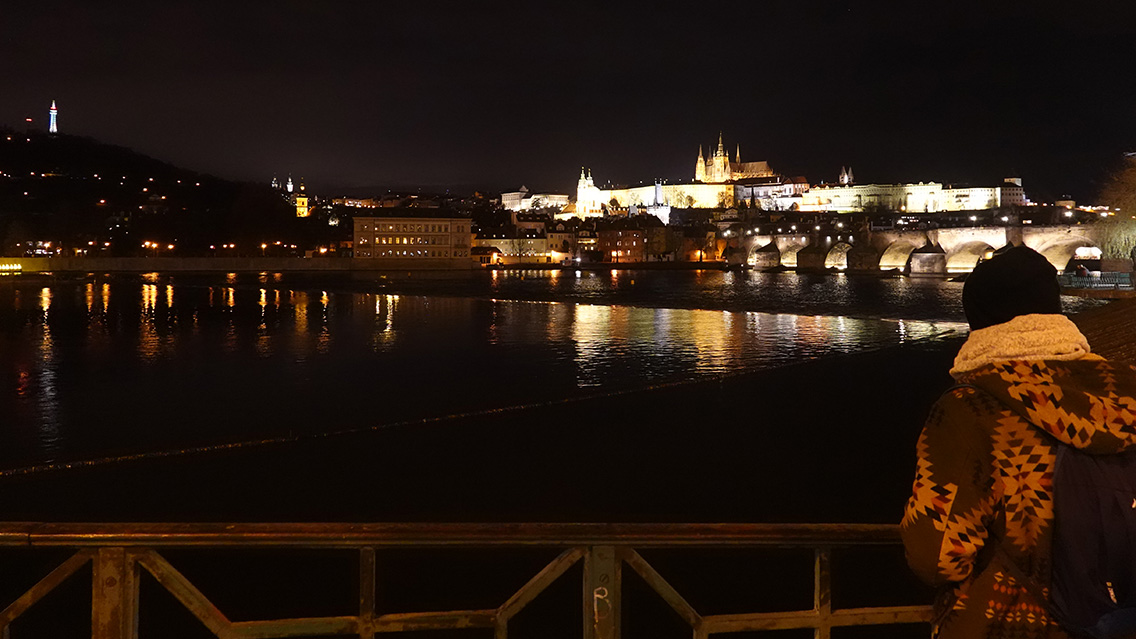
(231, 357)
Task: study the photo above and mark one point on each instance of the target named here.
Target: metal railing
(120, 552)
(1108, 280)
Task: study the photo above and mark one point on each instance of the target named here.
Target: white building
(592, 201)
(523, 200)
(924, 197)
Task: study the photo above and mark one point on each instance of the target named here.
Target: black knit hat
(1019, 281)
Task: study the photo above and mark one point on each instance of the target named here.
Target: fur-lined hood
(1040, 367)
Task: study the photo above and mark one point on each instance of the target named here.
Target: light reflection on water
(150, 363)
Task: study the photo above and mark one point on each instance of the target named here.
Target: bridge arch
(896, 255)
(1060, 251)
(838, 256)
(964, 257)
(767, 256)
(789, 245)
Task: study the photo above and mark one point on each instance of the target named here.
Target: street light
(262, 247)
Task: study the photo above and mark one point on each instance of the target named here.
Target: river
(507, 396)
(106, 366)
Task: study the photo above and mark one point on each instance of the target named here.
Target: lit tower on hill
(51, 128)
(301, 200)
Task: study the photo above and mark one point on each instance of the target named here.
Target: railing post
(114, 595)
(822, 592)
(602, 593)
(366, 593)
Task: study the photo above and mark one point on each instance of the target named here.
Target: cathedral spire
(738, 156)
(699, 151)
(721, 149)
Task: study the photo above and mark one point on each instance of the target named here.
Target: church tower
(302, 201)
(720, 164)
(588, 201)
(51, 127)
(700, 167)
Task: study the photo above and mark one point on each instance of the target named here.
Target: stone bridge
(931, 251)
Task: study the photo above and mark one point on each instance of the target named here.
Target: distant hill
(79, 157)
(82, 192)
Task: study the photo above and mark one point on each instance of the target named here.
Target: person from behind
(980, 521)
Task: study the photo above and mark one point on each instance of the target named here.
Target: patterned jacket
(983, 485)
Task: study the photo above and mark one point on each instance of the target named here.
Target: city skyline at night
(354, 95)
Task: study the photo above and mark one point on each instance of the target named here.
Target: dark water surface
(849, 295)
(110, 366)
(696, 397)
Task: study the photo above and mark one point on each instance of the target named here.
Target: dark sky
(424, 93)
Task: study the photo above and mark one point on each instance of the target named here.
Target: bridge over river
(930, 251)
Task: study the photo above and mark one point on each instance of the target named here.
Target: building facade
(517, 245)
(592, 201)
(414, 241)
(718, 183)
(718, 169)
(622, 243)
(523, 200)
(924, 197)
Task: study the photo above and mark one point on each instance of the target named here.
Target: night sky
(472, 94)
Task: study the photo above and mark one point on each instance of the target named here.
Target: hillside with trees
(84, 195)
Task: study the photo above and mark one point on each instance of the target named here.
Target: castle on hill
(718, 169)
(717, 183)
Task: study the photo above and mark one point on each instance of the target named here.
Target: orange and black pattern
(982, 494)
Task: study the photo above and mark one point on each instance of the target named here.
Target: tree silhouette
(1118, 231)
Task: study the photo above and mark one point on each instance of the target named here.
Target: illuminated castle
(720, 170)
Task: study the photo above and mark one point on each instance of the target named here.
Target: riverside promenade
(180, 264)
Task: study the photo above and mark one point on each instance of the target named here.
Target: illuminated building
(561, 242)
(301, 200)
(718, 183)
(52, 127)
(592, 201)
(297, 198)
(718, 169)
(523, 200)
(923, 197)
(486, 255)
(517, 245)
(414, 240)
(846, 176)
(358, 203)
(622, 243)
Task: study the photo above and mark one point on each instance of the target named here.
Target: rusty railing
(120, 552)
